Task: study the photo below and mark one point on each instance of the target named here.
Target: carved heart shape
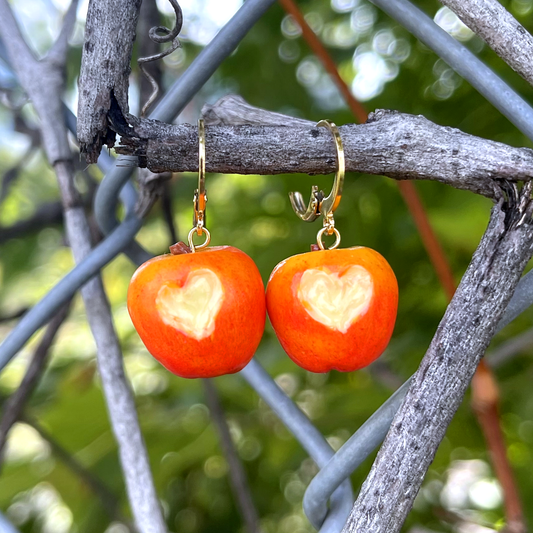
(193, 308)
(336, 299)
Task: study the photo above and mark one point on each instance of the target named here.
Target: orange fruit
(199, 314)
(333, 309)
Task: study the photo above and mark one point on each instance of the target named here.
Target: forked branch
(439, 385)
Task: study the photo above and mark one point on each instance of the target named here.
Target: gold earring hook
(319, 204)
(200, 195)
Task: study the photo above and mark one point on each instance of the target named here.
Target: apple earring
(200, 311)
(332, 309)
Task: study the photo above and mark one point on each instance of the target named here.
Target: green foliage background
(253, 213)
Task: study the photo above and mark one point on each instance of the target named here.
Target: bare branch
(239, 482)
(57, 54)
(159, 34)
(44, 84)
(510, 348)
(500, 30)
(439, 385)
(14, 405)
(139, 483)
(392, 144)
(485, 404)
(109, 501)
(149, 17)
(105, 67)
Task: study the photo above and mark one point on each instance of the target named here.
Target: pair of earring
(201, 310)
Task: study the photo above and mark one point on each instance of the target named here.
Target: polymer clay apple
(199, 310)
(199, 314)
(332, 309)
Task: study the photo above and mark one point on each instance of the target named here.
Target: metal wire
(332, 479)
(464, 62)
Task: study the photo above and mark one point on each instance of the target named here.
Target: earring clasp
(319, 203)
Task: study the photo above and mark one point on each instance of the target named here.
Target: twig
(109, 501)
(438, 386)
(160, 34)
(314, 43)
(500, 30)
(44, 84)
(149, 17)
(392, 144)
(168, 215)
(13, 316)
(509, 349)
(239, 482)
(57, 54)
(14, 405)
(485, 400)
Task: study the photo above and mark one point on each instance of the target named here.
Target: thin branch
(57, 54)
(168, 212)
(14, 405)
(44, 84)
(393, 144)
(485, 401)
(510, 348)
(320, 51)
(239, 482)
(120, 404)
(109, 501)
(149, 17)
(159, 34)
(500, 30)
(438, 386)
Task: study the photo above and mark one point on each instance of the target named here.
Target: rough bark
(105, 69)
(500, 30)
(45, 93)
(393, 144)
(438, 386)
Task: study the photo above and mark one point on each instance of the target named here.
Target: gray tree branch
(239, 481)
(393, 144)
(438, 386)
(105, 68)
(58, 51)
(43, 81)
(109, 501)
(14, 405)
(500, 30)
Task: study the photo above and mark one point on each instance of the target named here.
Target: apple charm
(199, 314)
(333, 309)
(200, 311)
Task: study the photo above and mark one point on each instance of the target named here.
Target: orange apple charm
(333, 309)
(199, 314)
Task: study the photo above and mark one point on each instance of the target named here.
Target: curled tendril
(161, 34)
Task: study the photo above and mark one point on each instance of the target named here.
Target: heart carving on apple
(333, 309)
(193, 308)
(336, 299)
(199, 314)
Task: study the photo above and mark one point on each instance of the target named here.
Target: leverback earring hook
(319, 204)
(200, 195)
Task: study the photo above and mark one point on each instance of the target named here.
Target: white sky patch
(202, 19)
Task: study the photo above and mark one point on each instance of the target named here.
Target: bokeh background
(272, 68)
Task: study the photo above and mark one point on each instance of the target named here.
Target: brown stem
(485, 400)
